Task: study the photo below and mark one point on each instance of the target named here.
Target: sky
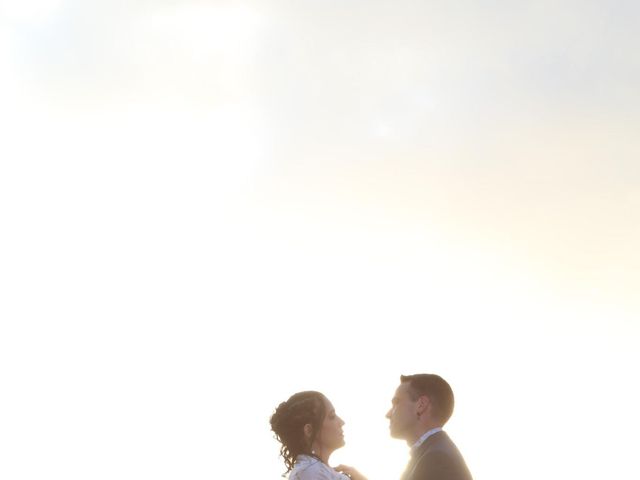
(209, 206)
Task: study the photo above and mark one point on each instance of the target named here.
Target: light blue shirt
(310, 468)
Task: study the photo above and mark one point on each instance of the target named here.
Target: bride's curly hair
(289, 420)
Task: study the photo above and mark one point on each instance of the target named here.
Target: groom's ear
(424, 404)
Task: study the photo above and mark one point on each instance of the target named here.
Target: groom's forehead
(402, 391)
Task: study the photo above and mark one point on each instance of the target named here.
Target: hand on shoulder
(351, 472)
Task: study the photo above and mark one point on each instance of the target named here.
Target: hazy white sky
(208, 206)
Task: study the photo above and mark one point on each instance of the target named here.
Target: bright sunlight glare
(209, 206)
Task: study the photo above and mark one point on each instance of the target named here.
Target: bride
(309, 430)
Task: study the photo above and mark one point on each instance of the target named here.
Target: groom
(420, 407)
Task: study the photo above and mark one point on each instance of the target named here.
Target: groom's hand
(350, 472)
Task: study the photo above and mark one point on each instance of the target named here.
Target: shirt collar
(424, 437)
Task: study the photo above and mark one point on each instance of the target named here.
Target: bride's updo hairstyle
(289, 420)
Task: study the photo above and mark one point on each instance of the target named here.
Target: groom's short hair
(436, 388)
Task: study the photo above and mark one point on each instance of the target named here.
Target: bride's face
(330, 437)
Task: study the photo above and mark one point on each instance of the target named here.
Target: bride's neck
(322, 454)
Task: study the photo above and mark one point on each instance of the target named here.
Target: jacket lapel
(418, 454)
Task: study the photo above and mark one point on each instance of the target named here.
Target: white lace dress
(311, 468)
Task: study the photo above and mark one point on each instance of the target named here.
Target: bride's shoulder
(311, 468)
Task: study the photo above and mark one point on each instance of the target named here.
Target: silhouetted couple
(310, 431)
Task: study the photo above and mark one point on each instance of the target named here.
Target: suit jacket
(437, 458)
